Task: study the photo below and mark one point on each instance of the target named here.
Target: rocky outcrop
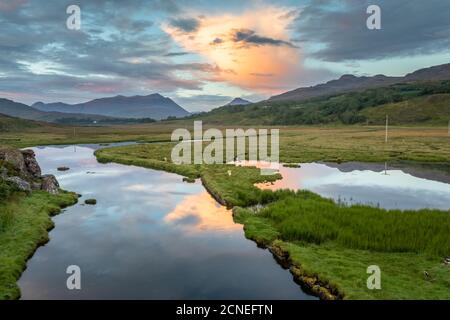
(50, 184)
(31, 164)
(21, 168)
(20, 183)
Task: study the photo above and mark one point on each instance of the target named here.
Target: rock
(36, 185)
(15, 158)
(31, 165)
(63, 168)
(50, 184)
(20, 183)
(90, 201)
(3, 173)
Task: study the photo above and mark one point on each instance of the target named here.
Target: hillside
(351, 83)
(426, 100)
(11, 124)
(153, 106)
(433, 109)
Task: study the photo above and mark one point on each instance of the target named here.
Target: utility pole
(449, 128)
(387, 128)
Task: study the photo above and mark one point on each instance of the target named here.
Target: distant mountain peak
(348, 83)
(238, 102)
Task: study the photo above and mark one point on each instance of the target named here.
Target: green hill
(11, 124)
(433, 109)
(427, 101)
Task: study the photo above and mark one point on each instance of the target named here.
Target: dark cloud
(176, 54)
(216, 41)
(117, 50)
(248, 37)
(409, 27)
(187, 25)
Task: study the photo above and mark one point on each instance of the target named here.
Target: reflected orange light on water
(201, 213)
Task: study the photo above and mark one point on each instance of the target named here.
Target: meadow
(328, 246)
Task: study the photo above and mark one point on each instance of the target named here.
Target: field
(328, 246)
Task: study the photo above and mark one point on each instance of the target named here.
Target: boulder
(15, 158)
(31, 164)
(50, 184)
(20, 183)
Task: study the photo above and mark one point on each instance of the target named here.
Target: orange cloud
(252, 50)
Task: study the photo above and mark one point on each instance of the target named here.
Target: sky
(203, 53)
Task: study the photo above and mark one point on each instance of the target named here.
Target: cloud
(186, 25)
(409, 27)
(254, 56)
(119, 49)
(249, 37)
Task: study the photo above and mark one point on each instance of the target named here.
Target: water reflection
(391, 189)
(201, 213)
(150, 236)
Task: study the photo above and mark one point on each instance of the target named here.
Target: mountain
(349, 83)
(424, 102)
(153, 106)
(238, 102)
(20, 110)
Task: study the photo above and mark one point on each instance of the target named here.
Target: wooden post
(387, 128)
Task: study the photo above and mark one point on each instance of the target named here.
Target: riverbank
(332, 266)
(25, 221)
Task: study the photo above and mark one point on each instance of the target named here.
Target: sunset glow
(248, 53)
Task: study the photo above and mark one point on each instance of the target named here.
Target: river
(153, 236)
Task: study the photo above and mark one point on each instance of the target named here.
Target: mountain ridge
(349, 83)
(153, 106)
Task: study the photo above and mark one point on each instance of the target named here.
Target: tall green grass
(310, 218)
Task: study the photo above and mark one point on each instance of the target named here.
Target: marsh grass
(24, 222)
(310, 218)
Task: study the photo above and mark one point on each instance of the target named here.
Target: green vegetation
(8, 124)
(329, 245)
(346, 108)
(431, 109)
(24, 222)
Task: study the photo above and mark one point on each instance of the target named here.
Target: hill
(238, 102)
(433, 109)
(351, 83)
(11, 124)
(20, 110)
(424, 102)
(153, 106)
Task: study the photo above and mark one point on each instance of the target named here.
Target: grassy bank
(24, 222)
(328, 246)
(334, 244)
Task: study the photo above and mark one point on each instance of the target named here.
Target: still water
(150, 236)
(389, 186)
